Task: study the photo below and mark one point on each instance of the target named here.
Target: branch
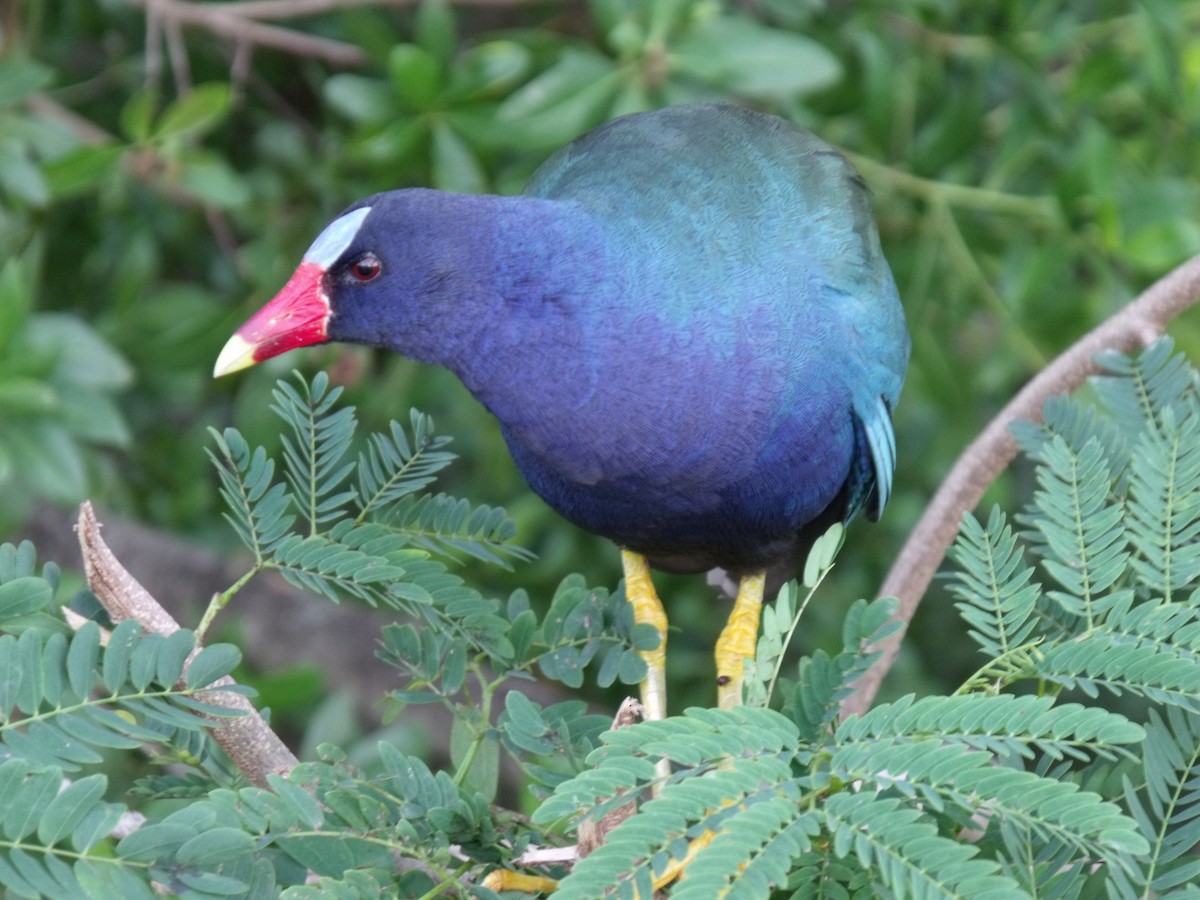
(216, 18)
(1134, 326)
(241, 22)
(965, 196)
(250, 743)
(292, 9)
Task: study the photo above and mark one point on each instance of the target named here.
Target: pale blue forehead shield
(337, 236)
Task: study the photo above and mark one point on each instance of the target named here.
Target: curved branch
(249, 741)
(1134, 326)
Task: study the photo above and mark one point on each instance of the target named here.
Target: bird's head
(379, 274)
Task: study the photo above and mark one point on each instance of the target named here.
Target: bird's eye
(367, 267)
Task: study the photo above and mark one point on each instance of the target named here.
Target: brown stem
(292, 9)
(1135, 325)
(216, 18)
(250, 743)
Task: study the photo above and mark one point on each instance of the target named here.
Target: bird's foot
(506, 880)
(737, 640)
(592, 834)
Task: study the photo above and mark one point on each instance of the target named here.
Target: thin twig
(293, 9)
(181, 68)
(966, 196)
(242, 22)
(82, 129)
(152, 67)
(1134, 326)
(216, 18)
(250, 743)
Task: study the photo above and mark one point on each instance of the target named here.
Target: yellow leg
(639, 589)
(502, 880)
(648, 608)
(737, 640)
(676, 866)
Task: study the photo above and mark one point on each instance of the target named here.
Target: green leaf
(23, 596)
(117, 653)
(97, 824)
(483, 776)
(215, 846)
(79, 172)
(212, 663)
(20, 176)
(524, 723)
(196, 112)
(299, 801)
(210, 178)
(455, 167)
(435, 31)
(21, 77)
(173, 654)
(562, 102)
(94, 416)
(25, 806)
(155, 841)
(12, 675)
(67, 810)
(82, 658)
(824, 551)
(415, 77)
(82, 356)
(490, 69)
(358, 98)
(754, 61)
(16, 297)
(137, 115)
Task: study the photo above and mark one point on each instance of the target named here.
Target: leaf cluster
(350, 519)
(989, 792)
(994, 791)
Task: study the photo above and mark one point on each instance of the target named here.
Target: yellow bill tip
(237, 354)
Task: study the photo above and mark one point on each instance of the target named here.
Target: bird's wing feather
(874, 459)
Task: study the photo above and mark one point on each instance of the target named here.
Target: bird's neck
(538, 283)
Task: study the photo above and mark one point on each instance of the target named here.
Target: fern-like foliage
(997, 599)
(986, 793)
(1006, 789)
(1166, 803)
(1164, 515)
(915, 766)
(1114, 527)
(315, 451)
(1081, 526)
(324, 488)
(345, 525)
(67, 699)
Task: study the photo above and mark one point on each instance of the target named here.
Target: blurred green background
(1033, 166)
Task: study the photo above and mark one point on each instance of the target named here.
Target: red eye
(367, 267)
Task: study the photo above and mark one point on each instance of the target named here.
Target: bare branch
(241, 22)
(216, 18)
(1134, 326)
(593, 834)
(181, 69)
(82, 129)
(250, 743)
(293, 9)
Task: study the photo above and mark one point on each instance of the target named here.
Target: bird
(685, 327)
